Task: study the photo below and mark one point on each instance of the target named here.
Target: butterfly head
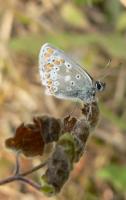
(99, 86)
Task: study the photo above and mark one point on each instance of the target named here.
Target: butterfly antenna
(106, 72)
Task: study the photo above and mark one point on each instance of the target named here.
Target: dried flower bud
(50, 128)
(58, 170)
(91, 111)
(80, 133)
(69, 123)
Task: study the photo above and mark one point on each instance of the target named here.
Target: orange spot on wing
(50, 51)
(49, 82)
(47, 55)
(48, 67)
(62, 61)
(57, 62)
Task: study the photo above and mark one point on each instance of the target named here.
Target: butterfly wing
(62, 76)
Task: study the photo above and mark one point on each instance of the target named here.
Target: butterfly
(64, 78)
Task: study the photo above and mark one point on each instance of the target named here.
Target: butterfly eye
(99, 86)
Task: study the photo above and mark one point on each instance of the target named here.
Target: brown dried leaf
(28, 140)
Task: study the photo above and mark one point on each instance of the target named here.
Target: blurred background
(93, 32)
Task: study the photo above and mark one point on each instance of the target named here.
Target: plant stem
(20, 176)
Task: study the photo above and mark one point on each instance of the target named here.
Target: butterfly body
(64, 78)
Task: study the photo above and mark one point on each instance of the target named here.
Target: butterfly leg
(89, 113)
